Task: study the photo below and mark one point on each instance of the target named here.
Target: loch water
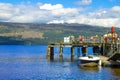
(18, 62)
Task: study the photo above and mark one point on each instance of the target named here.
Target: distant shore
(36, 34)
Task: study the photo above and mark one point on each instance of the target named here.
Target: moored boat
(89, 61)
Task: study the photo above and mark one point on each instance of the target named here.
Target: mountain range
(36, 34)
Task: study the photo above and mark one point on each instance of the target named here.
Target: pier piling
(78, 51)
(84, 50)
(72, 53)
(52, 53)
(61, 50)
(48, 51)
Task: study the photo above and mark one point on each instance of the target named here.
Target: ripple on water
(30, 63)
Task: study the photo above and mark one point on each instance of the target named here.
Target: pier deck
(74, 44)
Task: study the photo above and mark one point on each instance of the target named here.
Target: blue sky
(92, 12)
(68, 3)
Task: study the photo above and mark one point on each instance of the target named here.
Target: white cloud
(56, 21)
(116, 8)
(51, 7)
(105, 17)
(48, 13)
(102, 22)
(59, 10)
(84, 2)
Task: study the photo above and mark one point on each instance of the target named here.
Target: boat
(89, 61)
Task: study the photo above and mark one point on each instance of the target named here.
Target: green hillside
(35, 34)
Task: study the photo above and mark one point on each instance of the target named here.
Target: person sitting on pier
(81, 39)
(94, 38)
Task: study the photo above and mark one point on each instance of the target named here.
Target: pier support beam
(72, 53)
(61, 51)
(78, 51)
(118, 48)
(99, 50)
(85, 50)
(96, 50)
(50, 53)
(102, 50)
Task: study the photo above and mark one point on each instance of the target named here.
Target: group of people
(105, 38)
(110, 37)
(81, 39)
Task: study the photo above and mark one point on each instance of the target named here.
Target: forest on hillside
(36, 34)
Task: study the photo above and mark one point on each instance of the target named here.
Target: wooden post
(118, 48)
(51, 53)
(48, 51)
(78, 51)
(61, 50)
(99, 50)
(86, 50)
(83, 51)
(103, 49)
(72, 53)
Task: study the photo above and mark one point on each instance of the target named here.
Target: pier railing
(86, 40)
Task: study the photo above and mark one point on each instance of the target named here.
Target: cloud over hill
(57, 13)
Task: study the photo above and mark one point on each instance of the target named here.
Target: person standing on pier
(73, 38)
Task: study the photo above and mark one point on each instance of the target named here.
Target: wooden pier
(107, 46)
(107, 52)
(51, 46)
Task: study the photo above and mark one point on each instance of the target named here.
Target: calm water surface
(30, 63)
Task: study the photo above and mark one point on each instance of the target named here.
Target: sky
(92, 12)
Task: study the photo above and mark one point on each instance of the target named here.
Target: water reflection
(88, 68)
(22, 59)
(115, 71)
(30, 63)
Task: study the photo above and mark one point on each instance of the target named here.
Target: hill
(34, 33)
